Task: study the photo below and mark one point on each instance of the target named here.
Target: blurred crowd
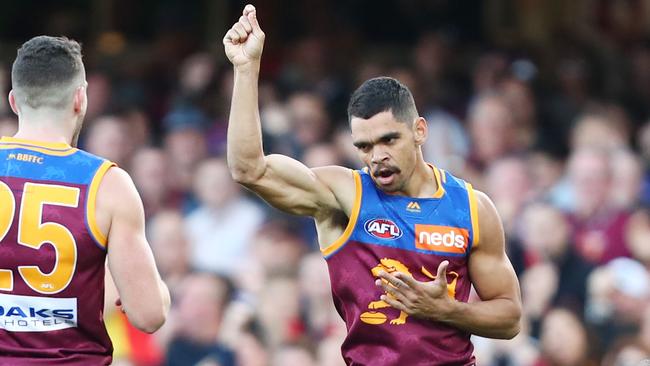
(554, 127)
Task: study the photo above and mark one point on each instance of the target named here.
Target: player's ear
(12, 101)
(420, 130)
(80, 100)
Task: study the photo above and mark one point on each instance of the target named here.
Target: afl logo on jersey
(383, 229)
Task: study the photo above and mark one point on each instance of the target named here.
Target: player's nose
(379, 155)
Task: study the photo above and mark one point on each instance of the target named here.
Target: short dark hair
(45, 71)
(382, 94)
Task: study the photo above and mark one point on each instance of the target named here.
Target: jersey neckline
(34, 143)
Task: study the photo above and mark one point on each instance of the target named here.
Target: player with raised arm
(63, 212)
(404, 241)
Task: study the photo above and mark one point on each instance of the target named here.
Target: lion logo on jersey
(390, 266)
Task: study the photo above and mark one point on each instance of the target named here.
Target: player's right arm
(280, 180)
(144, 296)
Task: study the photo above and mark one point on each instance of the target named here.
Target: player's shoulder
(485, 205)
(117, 190)
(489, 223)
(116, 180)
(337, 178)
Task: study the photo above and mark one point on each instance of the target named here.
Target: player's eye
(364, 148)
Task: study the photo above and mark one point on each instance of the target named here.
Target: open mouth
(385, 176)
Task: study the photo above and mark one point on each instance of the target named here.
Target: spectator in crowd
(546, 236)
(617, 295)
(508, 183)
(99, 94)
(309, 120)
(221, 229)
(185, 146)
(150, 172)
(548, 179)
(195, 322)
(491, 129)
(448, 143)
(489, 69)
(564, 340)
(597, 224)
(279, 311)
(595, 129)
(109, 136)
(520, 100)
(166, 234)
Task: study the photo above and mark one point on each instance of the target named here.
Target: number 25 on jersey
(33, 233)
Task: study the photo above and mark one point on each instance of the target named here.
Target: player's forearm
(497, 318)
(149, 311)
(245, 154)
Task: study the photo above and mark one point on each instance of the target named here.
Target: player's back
(52, 256)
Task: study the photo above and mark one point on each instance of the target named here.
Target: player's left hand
(427, 300)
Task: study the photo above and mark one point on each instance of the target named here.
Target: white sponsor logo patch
(37, 314)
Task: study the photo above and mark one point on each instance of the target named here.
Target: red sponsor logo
(383, 229)
(441, 238)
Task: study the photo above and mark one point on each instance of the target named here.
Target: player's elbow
(155, 323)
(150, 317)
(513, 324)
(512, 331)
(241, 176)
(150, 322)
(246, 174)
(507, 330)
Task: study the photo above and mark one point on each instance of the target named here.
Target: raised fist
(244, 42)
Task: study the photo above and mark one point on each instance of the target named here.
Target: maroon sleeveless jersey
(410, 235)
(52, 256)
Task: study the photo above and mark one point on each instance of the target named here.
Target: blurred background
(542, 104)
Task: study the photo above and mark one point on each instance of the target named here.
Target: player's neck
(422, 182)
(37, 127)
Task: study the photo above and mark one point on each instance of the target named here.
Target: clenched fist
(244, 42)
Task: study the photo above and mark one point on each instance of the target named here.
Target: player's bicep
(130, 259)
(126, 236)
(292, 187)
(490, 269)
